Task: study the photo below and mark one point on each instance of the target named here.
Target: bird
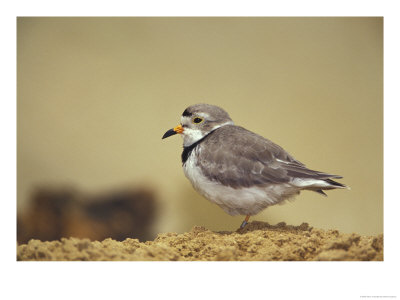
(237, 169)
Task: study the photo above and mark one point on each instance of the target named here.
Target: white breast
(241, 201)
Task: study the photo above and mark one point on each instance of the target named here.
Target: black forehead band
(186, 113)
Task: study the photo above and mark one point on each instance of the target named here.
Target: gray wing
(240, 158)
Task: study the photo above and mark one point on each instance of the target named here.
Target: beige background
(95, 95)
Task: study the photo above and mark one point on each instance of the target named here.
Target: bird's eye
(197, 120)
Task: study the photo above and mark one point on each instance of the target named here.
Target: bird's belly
(237, 201)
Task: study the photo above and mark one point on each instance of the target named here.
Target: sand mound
(258, 241)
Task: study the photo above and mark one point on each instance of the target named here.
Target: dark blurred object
(57, 213)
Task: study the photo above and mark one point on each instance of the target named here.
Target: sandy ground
(259, 241)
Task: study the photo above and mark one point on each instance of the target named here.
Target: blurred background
(95, 96)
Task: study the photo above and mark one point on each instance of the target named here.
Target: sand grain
(258, 242)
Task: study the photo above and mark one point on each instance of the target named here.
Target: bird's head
(199, 120)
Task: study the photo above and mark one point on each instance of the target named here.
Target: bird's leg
(245, 221)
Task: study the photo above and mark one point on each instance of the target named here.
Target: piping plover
(238, 170)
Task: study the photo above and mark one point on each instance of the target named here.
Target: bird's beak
(175, 130)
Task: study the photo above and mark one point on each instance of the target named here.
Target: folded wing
(240, 158)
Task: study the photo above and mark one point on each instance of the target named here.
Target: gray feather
(240, 158)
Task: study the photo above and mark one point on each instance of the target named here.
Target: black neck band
(187, 150)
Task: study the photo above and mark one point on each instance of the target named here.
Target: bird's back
(239, 158)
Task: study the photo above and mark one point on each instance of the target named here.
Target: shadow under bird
(240, 171)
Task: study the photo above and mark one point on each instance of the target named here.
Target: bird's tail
(335, 183)
(332, 185)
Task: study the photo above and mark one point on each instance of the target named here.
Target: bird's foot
(245, 222)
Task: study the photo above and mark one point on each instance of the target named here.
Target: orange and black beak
(175, 130)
